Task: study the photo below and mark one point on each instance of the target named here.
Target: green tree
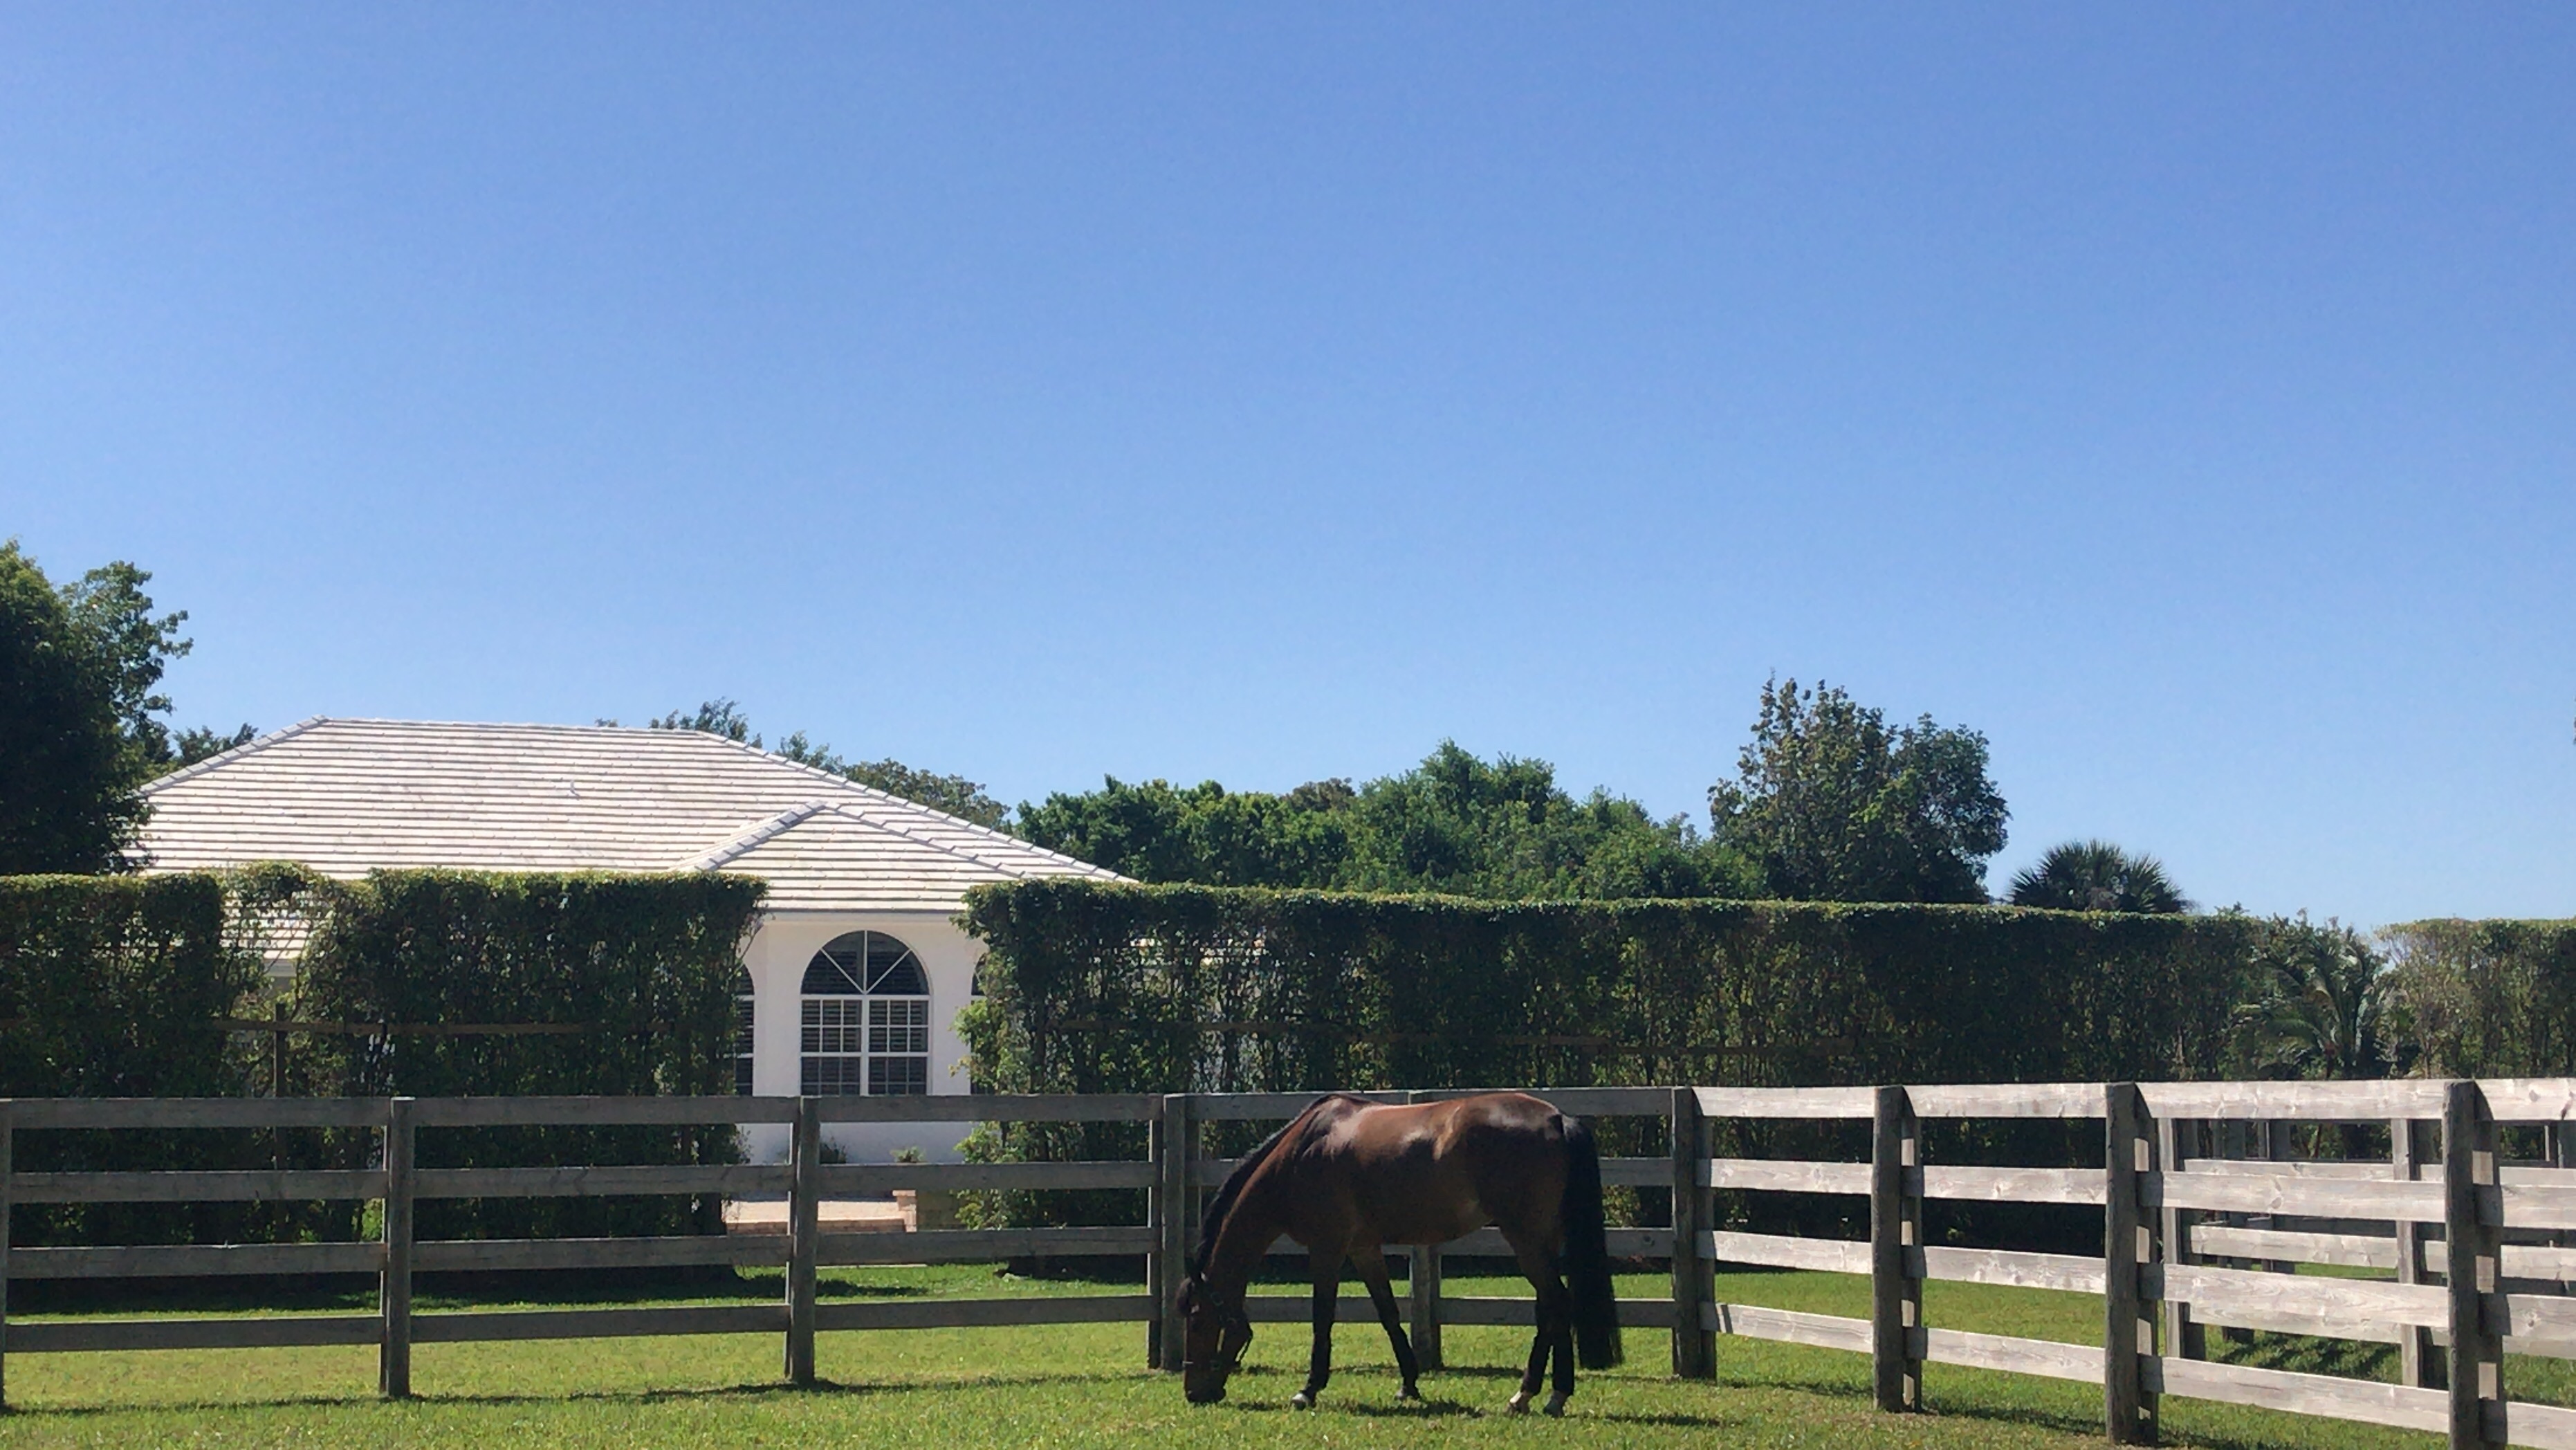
(1831, 804)
(1455, 823)
(1505, 829)
(2097, 876)
(1204, 834)
(2313, 1004)
(954, 794)
(80, 668)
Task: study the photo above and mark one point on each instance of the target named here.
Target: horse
(1348, 1176)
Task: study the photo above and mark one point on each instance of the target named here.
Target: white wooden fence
(2186, 1227)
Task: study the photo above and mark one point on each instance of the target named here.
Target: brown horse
(1349, 1176)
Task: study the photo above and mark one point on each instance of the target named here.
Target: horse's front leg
(1372, 1267)
(1327, 1267)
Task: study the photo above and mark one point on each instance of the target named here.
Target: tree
(1455, 823)
(79, 667)
(2312, 1005)
(1832, 805)
(954, 794)
(1505, 829)
(2097, 876)
(1205, 834)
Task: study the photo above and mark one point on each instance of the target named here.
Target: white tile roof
(349, 796)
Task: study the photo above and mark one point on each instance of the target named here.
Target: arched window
(742, 1034)
(866, 1019)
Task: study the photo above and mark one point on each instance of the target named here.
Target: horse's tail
(1587, 1252)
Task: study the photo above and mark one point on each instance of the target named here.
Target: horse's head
(1215, 1332)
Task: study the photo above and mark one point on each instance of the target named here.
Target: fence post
(393, 1351)
(2128, 1337)
(1895, 1247)
(1422, 1285)
(804, 1227)
(2418, 1364)
(2468, 1183)
(1694, 1276)
(6, 1115)
(1172, 1259)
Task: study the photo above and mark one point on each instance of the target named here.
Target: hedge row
(114, 985)
(1115, 988)
(2484, 998)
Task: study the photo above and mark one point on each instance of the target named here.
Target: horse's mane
(1222, 1203)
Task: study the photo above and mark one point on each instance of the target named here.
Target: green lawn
(1087, 1385)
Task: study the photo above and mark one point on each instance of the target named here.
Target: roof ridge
(888, 797)
(915, 838)
(227, 757)
(751, 840)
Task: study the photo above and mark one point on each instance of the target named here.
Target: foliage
(2311, 1005)
(1832, 805)
(108, 988)
(2483, 998)
(954, 794)
(1155, 831)
(2097, 876)
(202, 742)
(1093, 987)
(67, 773)
(132, 648)
(644, 965)
(1455, 823)
(107, 985)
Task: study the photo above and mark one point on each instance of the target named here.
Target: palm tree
(2097, 876)
(2312, 1003)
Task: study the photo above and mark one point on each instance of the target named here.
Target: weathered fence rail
(2198, 1232)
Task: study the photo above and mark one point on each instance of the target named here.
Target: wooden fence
(2190, 1220)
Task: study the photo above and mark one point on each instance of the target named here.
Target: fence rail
(2197, 1232)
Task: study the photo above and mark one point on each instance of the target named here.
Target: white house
(857, 969)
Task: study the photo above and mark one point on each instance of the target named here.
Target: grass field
(1086, 1385)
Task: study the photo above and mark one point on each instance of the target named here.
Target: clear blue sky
(2183, 396)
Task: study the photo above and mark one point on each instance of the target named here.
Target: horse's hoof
(1301, 1401)
(1518, 1406)
(1408, 1394)
(1555, 1405)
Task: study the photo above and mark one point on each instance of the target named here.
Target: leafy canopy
(80, 670)
(954, 794)
(2097, 876)
(1830, 804)
(1457, 824)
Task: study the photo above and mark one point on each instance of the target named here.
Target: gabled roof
(349, 796)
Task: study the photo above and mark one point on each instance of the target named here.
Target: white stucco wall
(776, 958)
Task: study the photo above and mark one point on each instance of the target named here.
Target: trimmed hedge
(115, 983)
(1118, 988)
(645, 964)
(2483, 998)
(1092, 987)
(107, 984)
(108, 988)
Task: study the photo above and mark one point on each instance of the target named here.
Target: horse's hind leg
(1327, 1268)
(1554, 1337)
(1372, 1267)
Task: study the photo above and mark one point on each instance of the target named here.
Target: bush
(108, 988)
(646, 964)
(2483, 998)
(1092, 987)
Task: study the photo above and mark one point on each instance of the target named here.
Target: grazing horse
(1349, 1176)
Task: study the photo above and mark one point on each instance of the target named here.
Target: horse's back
(1430, 1172)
